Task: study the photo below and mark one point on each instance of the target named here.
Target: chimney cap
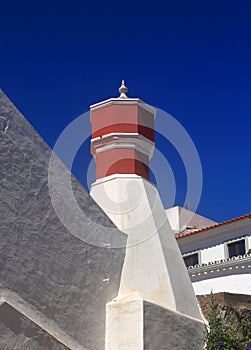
(123, 100)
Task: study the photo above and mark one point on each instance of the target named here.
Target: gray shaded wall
(167, 330)
(53, 271)
(19, 332)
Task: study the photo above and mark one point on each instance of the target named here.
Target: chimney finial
(123, 90)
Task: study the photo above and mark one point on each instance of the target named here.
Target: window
(191, 259)
(236, 248)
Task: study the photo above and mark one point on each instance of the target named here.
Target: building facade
(217, 255)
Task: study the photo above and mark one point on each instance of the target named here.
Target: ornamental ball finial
(123, 90)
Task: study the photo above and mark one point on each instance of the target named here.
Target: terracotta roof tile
(194, 231)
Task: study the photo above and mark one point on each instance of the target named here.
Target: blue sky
(191, 59)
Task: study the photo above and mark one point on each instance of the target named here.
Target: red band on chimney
(121, 161)
(122, 119)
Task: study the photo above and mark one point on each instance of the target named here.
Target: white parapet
(124, 325)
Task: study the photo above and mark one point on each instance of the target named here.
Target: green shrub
(223, 332)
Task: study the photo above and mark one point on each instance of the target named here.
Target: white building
(218, 255)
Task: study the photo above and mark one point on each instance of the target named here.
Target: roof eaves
(192, 232)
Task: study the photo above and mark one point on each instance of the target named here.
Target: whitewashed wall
(240, 284)
(212, 254)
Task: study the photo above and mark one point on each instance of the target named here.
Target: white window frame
(192, 253)
(245, 239)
